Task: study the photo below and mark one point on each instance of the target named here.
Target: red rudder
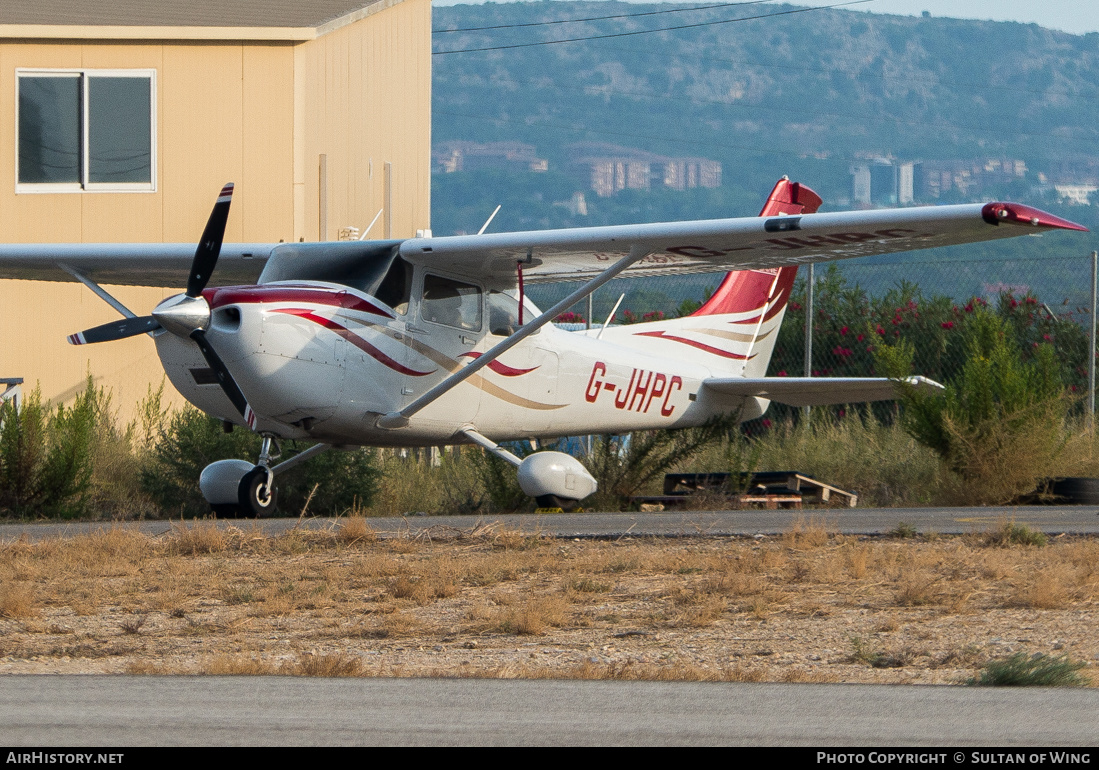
(745, 290)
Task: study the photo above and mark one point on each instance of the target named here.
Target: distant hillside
(804, 94)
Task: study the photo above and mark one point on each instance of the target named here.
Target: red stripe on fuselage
(351, 337)
(501, 368)
(694, 344)
(248, 295)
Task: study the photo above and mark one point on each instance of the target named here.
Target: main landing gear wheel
(258, 494)
(553, 501)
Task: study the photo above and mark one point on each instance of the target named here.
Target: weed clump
(354, 529)
(1009, 533)
(201, 537)
(1037, 670)
(805, 535)
(862, 653)
(17, 601)
(903, 530)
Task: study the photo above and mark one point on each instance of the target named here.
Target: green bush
(856, 452)
(1010, 533)
(46, 456)
(1000, 424)
(500, 480)
(624, 465)
(849, 327)
(1038, 670)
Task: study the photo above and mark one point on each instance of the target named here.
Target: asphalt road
(1052, 520)
(88, 711)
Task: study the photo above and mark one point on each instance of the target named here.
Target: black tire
(254, 502)
(553, 501)
(1075, 490)
(227, 511)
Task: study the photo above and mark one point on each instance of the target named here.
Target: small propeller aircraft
(432, 341)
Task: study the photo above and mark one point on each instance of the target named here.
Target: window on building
(86, 130)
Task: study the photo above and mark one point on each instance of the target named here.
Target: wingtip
(1018, 214)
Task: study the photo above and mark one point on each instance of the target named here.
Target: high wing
(727, 244)
(816, 391)
(130, 264)
(558, 255)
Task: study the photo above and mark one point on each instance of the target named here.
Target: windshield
(372, 267)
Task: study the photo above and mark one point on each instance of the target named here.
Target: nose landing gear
(239, 489)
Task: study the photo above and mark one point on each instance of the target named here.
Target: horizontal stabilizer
(816, 391)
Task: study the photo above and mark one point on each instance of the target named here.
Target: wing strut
(399, 419)
(98, 290)
(491, 446)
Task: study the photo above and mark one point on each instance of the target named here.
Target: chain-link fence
(857, 305)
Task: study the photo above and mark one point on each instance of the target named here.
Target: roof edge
(108, 32)
(356, 15)
(146, 32)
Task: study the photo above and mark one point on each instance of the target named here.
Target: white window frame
(85, 186)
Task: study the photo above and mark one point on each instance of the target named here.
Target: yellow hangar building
(125, 117)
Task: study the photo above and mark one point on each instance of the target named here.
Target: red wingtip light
(1018, 214)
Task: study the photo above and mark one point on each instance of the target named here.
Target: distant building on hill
(1075, 194)
(608, 168)
(448, 157)
(879, 181)
(884, 181)
(1074, 179)
(935, 178)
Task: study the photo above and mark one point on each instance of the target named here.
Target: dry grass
(806, 534)
(490, 602)
(198, 537)
(17, 601)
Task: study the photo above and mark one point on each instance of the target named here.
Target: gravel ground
(807, 606)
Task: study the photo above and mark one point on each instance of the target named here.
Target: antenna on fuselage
(488, 221)
(373, 222)
(611, 316)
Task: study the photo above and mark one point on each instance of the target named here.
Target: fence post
(808, 330)
(1091, 342)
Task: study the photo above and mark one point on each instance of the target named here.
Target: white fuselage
(321, 361)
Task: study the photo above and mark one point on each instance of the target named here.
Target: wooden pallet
(771, 489)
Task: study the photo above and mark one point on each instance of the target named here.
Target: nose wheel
(257, 493)
(236, 488)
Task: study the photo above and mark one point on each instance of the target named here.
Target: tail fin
(746, 290)
(735, 330)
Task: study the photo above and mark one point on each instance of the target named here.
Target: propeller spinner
(188, 314)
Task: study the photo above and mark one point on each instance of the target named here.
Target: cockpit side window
(450, 302)
(395, 289)
(503, 314)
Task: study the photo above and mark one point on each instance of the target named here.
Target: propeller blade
(209, 247)
(115, 330)
(225, 379)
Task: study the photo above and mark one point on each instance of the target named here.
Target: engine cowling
(557, 474)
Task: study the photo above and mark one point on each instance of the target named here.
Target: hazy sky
(1068, 15)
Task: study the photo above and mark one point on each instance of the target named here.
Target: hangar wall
(260, 113)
